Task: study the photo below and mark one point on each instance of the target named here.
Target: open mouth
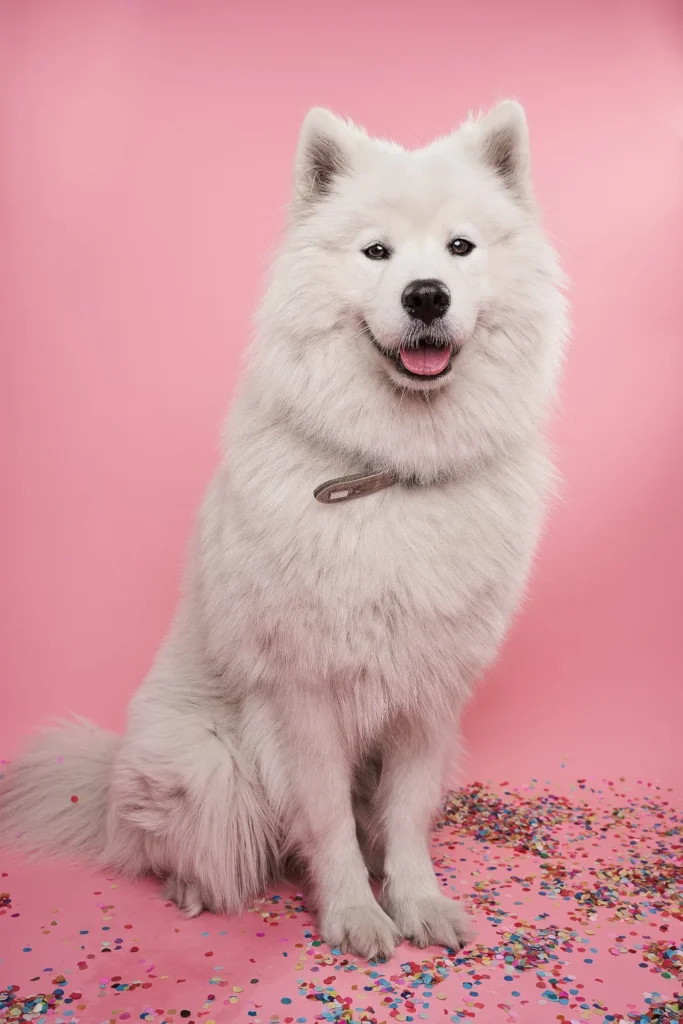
(426, 359)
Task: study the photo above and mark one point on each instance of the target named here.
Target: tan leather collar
(346, 488)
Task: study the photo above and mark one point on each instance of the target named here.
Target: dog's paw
(364, 930)
(431, 921)
(186, 895)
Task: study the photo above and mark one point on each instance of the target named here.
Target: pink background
(145, 166)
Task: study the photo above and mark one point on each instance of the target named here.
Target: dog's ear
(502, 140)
(325, 152)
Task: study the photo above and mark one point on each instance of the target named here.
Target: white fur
(306, 699)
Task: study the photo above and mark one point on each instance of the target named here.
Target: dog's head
(414, 316)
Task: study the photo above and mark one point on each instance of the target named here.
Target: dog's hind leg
(187, 793)
(187, 896)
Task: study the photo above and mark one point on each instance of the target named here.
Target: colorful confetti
(577, 901)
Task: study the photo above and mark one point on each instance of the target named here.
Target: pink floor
(578, 902)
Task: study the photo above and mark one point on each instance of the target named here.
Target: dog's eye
(460, 247)
(377, 252)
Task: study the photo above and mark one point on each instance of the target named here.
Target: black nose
(426, 300)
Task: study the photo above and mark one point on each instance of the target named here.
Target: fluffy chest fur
(394, 601)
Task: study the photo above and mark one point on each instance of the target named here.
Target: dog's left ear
(325, 152)
(502, 140)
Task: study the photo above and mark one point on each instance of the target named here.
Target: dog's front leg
(323, 826)
(405, 802)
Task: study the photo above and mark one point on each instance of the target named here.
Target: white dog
(305, 702)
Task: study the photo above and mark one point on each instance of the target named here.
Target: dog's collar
(346, 488)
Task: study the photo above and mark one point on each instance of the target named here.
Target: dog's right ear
(325, 153)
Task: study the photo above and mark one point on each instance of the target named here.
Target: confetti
(577, 901)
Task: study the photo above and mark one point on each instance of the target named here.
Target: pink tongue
(427, 360)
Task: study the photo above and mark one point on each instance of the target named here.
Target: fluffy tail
(53, 799)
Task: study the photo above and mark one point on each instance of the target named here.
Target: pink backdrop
(145, 165)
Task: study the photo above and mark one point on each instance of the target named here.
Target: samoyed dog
(357, 559)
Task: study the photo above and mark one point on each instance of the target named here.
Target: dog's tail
(53, 798)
